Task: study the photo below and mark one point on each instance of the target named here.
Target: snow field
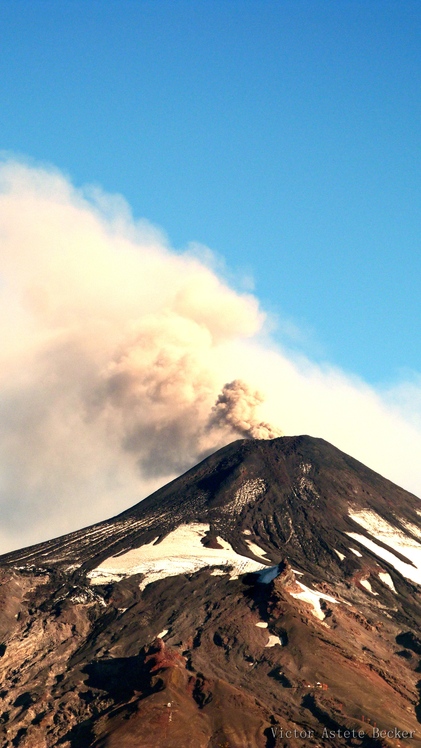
(393, 537)
(313, 597)
(180, 552)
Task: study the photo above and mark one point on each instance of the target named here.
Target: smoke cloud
(235, 408)
(122, 363)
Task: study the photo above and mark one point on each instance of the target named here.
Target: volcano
(270, 596)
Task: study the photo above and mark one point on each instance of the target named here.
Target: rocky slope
(268, 597)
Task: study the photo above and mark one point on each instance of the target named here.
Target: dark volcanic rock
(320, 642)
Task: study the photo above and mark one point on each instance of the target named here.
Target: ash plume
(113, 353)
(236, 408)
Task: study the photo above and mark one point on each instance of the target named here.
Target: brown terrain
(180, 662)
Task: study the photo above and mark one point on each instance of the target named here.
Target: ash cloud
(113, 351)
(123, 363)
(236, 408)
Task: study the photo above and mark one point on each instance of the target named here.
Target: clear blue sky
(284, 135)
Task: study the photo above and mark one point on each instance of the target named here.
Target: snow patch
(250, 491)
(408, 571)
(414, 529)
(387, 579)
(357, 553)
(180, 552)
(256, 550)
(313, 597)
(162, 634)
(79, 599)
(304, 482)
(273, 640)
(366, 584)
(341, 555)
(88, 597)
(391, 536)
(261, 625)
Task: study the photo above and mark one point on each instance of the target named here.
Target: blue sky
(283, 135)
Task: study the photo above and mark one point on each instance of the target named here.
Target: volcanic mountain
(268, 597)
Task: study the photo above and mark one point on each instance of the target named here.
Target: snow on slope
(366, 584)
(257, 550)
(249, 492)
(387, 579)
(313, 597)
(306, 594)
(273, 639)
(394, 538)
(180, 552)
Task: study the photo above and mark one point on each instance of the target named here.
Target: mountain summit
(269, 596)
